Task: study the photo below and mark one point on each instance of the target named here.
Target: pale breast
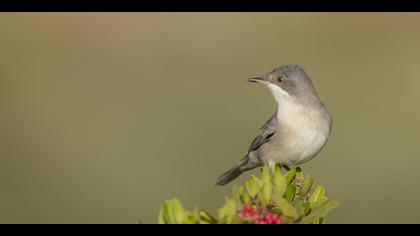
(302, 133)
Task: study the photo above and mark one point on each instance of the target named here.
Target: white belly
(301, 135)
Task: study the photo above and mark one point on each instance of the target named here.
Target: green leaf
(267, 191)
(163, 214)
(205, 217)
(285, 207)
(297, 200)
(306, 207)
(307, 185)
(172, 212)
(266, 175)
(316, 221)
(161, 220)
(319, 193)
(237, 194)
(257, 181)
(280, 183)
(267, 188)
(178, 211)
(318, 203)
(236, 220)
(320, 212)
(290, 175)
(253, 186)
(290, 192)
(228, 211)
(266, 172)
(246, 199)
(194, 216)
(298, 205)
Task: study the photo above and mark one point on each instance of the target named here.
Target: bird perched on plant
(295, 133)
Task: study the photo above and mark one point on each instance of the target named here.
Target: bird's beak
(256, 79)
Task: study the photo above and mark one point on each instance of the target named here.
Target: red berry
(268, 218)
(255, 216)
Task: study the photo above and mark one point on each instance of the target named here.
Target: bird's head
(288, 82)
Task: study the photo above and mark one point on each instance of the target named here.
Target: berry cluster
(269, 218)
(249, 214)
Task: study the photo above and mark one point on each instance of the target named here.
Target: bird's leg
(286, 167)
(299, 181)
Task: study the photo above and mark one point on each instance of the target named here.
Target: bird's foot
(299, 181)
(286, 167)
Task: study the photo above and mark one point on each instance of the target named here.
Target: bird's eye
(280, 79)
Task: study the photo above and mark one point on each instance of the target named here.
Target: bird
(296, 132)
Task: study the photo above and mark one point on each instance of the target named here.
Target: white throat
(278, 93)
(287, 108)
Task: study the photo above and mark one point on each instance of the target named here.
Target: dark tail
(233, 173)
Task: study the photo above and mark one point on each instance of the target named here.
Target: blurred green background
(104, 116)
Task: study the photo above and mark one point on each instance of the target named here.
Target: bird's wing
(265, 133)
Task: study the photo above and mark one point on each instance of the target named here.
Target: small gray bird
(295, 133)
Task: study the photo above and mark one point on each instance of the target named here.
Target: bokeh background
(105, 115)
